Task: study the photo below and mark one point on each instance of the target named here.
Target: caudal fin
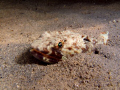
(103, 38)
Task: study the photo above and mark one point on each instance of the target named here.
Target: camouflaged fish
(52, 47)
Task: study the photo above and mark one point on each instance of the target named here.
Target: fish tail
(103, 38)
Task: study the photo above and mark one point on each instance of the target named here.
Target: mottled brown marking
(73, 38)
(59, 32)
(103, 32)
(45, 51)
(82, 36)
(71, 55)
(76, 47)
(94, 42)
(75, 52)
(85, 49)
(74, 44)
(65, 40)
(69, 48)
(49, 43)
(87, 39)
(68, 36)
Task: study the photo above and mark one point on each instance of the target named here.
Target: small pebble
(114, 21)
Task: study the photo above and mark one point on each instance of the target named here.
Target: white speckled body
(46, 48)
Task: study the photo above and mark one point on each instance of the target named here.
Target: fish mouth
(45, 57)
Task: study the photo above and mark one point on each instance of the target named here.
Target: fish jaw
(45, 57)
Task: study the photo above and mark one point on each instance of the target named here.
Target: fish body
(52, 47)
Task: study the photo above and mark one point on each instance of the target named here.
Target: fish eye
(60, 44)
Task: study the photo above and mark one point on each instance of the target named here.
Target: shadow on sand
(27, 58)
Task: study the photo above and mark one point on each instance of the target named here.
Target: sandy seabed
(21, 22)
